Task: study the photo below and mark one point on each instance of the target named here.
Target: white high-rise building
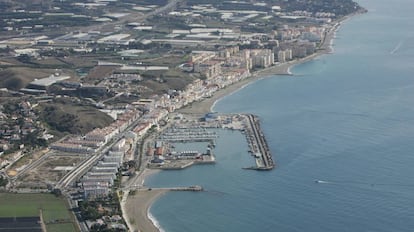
(281, 56)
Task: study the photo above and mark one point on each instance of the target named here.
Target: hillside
(68, 117)
(17, 78)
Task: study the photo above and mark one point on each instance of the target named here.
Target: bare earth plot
(51, 170)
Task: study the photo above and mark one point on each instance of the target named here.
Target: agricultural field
(55, 212)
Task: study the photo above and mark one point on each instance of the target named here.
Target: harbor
(185, 141)
(204, 130)
(190, 140)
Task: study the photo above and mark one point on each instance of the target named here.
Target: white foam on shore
(288, 70)
(214, 104)
(331, 43)
(154, 221)
(334, 36)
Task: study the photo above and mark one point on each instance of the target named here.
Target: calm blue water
(345, 118)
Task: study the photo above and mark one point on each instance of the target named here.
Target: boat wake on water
(215, 192)
(396, 47)
(362, 183)
(322, 182)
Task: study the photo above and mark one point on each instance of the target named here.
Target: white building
(281, 56)
(262, 58)
(95, 189)
(72, 148)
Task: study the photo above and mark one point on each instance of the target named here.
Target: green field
(66, 227)
(54, 209)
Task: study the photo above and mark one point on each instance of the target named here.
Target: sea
(341, 131)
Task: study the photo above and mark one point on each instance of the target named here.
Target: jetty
(193, 188)
(258, 145)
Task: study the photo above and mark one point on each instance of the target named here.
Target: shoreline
(140, 203)
(136, 207)
(284, 69)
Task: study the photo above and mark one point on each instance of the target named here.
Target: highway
(84, 167)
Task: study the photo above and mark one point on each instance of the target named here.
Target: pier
(194, 188)
(258, 145)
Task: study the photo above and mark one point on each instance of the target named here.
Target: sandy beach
(138, 204)
(137, 207)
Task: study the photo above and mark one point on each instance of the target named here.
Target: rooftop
(49, 80)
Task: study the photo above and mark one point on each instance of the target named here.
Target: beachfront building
(288, 54)
(281, 56)
(284, 55)
(262, 58)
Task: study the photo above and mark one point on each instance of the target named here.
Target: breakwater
(257, 144)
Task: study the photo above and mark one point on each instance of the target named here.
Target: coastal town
(95, 95)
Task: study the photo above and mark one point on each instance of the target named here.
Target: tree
(3, 181)
(132, 164)
(89, 210)
(24, 58)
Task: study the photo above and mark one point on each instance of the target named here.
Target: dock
(176, 134)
